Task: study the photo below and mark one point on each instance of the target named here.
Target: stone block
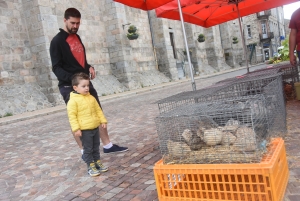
(24, 72)
(16, 65)
(28, 64)
(29, 79)
(43, 2)
(6, 65)
(3, 4)
(39, 40)
(4, 74)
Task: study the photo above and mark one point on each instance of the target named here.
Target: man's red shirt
(76, 49)
(295, 24)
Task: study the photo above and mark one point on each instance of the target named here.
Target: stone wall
(24, 72)
(234, 55)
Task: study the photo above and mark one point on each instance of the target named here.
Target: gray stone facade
(157, 56)
(262, 33)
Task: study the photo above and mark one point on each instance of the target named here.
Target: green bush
(284, 53)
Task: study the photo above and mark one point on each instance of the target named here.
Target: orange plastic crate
(264, 181)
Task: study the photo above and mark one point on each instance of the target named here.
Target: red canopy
(207, 13)
(144, 4)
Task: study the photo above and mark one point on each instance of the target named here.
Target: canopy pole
(186, 46)
(243, 39)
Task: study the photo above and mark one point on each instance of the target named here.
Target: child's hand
(78, 133)
(103, 125)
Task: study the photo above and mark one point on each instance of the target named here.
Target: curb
(60, 108)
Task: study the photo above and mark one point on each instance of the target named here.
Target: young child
(85, 116)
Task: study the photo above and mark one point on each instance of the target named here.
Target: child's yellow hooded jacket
(84, 112)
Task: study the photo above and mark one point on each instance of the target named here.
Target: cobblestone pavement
(41, 161)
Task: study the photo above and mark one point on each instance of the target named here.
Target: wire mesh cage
(270, 86)
(227, 131)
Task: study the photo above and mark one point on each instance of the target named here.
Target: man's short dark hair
(72, 12)
(79, 76)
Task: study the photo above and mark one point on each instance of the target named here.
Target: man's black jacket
(64, 64)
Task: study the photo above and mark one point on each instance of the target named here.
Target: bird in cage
(206, 122)
(212, 136)
(228, 138)
(178, 149)
(231, 126)
(192, 139)
(232, 122)
(245, 139)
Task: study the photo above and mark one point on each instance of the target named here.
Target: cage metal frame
(250, 110)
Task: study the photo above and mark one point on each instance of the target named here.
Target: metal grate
(224, 131)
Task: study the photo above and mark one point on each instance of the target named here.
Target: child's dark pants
(90, 142)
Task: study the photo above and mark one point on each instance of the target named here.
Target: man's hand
(292, 46)
(78, 133)
(293, 59)
(92, 72)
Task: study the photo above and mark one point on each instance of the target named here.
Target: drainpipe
(278, 26)
(221, 37)
(154, 49)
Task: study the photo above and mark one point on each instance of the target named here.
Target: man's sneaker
(92, 170)
(114, 149)
(100, 167)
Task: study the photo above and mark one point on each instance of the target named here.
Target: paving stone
(151, 188)
(108, 195)
(150, 182)
(136, 165)
(116, 190)
(294, 197)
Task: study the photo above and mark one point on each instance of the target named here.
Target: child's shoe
(92, 170)
(100, 167)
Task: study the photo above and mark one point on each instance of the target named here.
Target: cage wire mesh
(226, 131)
(257, 73)
(187, 97)
(272, 89)
(215, 90)
(290, 74)
(270, 86)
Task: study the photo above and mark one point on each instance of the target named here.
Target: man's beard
(72, 30)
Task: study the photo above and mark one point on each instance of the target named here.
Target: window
(249, 31)
(173, 45)
(264, 30)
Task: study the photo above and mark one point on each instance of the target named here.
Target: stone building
(27, 27)
(263, 33)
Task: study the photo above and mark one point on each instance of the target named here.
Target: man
(294, 39)
(68, 57)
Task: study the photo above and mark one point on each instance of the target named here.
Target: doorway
(267, 54)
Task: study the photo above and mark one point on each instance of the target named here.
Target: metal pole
(186, 46)
(243, 39)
